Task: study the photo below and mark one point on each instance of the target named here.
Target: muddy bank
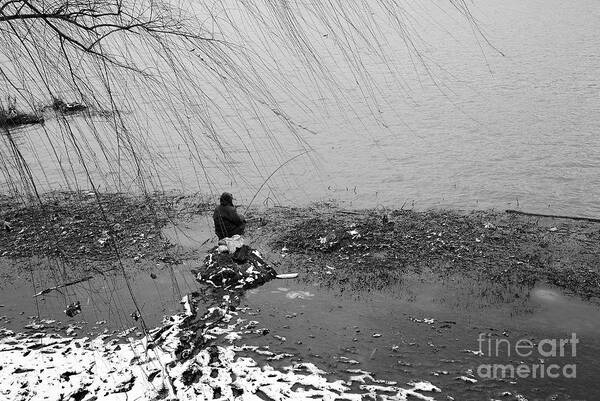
(85, 227)
(346, 249)
(391, 333)
(371, 249)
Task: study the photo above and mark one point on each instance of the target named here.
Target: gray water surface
(515, 127)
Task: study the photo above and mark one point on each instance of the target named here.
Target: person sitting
(227, 220)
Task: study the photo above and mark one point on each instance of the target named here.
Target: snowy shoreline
(164, 365)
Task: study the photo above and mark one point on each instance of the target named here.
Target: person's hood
(226, 199)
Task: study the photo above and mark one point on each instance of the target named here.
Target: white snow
(44, 366)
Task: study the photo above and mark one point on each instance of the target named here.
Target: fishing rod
(271, 175)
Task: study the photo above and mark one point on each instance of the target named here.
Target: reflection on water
(546, 295)
(197, 233)
(105, 300)
(403, 338)
(555, 310)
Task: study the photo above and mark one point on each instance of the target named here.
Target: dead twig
(592, 219)
(47, 290)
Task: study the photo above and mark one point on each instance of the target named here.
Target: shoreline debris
(67, 108)
(244, 268)
(286, 275)
(73, 309)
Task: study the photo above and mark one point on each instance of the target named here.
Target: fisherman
(227, 220)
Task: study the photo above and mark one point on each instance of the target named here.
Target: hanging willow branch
(85, 25)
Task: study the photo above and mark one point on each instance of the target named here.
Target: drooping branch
(203, 71)
(85, 25)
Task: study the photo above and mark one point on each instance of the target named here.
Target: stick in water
(47, 290)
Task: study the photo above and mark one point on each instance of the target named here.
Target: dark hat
(226, 198)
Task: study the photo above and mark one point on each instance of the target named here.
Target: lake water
(513, 128)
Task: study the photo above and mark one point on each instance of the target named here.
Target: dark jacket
(227, 220)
